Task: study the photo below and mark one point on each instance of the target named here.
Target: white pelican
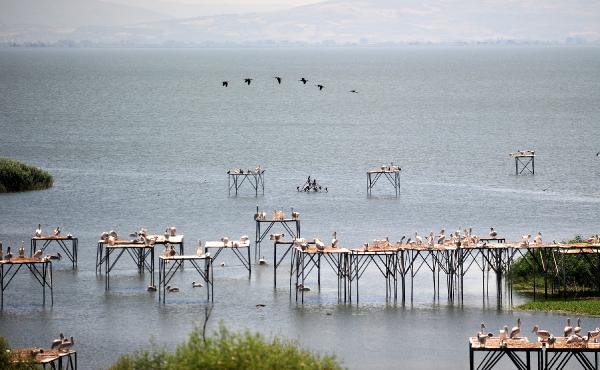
(568, 329)
(334, 240)
(58, 341)
(593, 335)
(196, 284)
(577, 329)
(441, 238)
(538, 238)
(418, 238)
(573, 338)
(503, 334)
(525, 240)
(320, 245)
(276, 237)
(543, 335)
(173, 289)
(516, 330)
(151, 288)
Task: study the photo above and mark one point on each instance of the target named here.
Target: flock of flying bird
(304, 81)
(571, 335)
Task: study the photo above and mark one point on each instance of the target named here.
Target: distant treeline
(279, 43)
(16, 176)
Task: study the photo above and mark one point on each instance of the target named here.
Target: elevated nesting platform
(237, 177)
(391, 173)
(525, 160)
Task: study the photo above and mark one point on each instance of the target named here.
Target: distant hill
(70, 14)
(365, 21)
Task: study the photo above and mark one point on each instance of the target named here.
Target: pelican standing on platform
(543, 335)
(38, 231)
(493, 233)
(516, 330)
(334, 240)
(568, 329)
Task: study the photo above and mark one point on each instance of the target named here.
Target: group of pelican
(62, 343)
(38, 254)
(571, 335)
(304, 81)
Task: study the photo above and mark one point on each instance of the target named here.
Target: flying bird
(354, 91)
(248, 81)
(321, 87)
(278, 79)
(303, 80)
(225, 83)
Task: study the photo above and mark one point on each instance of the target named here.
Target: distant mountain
(371, 21)
(70, 14)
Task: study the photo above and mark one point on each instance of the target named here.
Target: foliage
(579, 272)
(228, 350)
(578, 306)
(5, 359)
(16, 176)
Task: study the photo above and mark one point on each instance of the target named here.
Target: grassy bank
(578, 293)
(227, 350)
(587, 306)
(16, 176)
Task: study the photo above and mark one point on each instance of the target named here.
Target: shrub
(579, 272)
(16, 176)
(5, 359)
(228, 350)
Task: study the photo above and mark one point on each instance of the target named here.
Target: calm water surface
(143, 138)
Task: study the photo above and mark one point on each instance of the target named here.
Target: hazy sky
(192, 8)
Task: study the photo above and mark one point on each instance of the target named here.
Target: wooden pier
(59, 240)
(446, 264)
(46, 358)
(523, 354)
(141, 254)
(40, 269)
(391, 173)
(236, 246)
(524, 161)
(169, 265)
(289, 224)
(255, 178)
(177, 241)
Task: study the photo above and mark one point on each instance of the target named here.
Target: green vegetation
(16, 176)
(226, 350)
(577, 293)
(578, 306)
(5, 359)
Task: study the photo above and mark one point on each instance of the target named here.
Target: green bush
(17, 176)
(579, 272)
(5, 359)
(226, 350)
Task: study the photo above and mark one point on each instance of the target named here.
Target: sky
(155, 22)
(194, 8)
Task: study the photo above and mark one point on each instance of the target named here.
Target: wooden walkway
(446, 264)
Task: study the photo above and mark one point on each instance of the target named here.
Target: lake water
(144, 138)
